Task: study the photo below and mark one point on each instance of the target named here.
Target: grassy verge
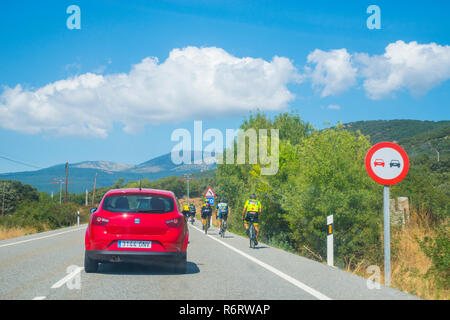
(14, 231)
(7, 233)
(409, 265)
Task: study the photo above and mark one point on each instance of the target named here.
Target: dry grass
(15, 232)
(409, 263)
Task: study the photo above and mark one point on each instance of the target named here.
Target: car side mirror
(93, 210)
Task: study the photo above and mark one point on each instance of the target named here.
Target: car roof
(139, 191)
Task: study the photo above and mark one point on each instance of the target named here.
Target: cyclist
(192, 210)
(206, 213)
(250, 214)
(186, 210)
(222, 210)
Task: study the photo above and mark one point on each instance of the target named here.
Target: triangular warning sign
(209, 193)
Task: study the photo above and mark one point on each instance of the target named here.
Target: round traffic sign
(387, 163)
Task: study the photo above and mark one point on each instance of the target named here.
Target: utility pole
(435, 149)
(3, 198)
(59, 181)
(93, 191)
(188, 178)
(67, 180)
(60, 192)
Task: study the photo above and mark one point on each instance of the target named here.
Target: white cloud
(191, 83)
(199, 83)
(334, 107)
(412, 66)
(333, 72)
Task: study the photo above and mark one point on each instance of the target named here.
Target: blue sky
(37, 49)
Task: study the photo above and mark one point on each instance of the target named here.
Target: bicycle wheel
(251, 236)
(224, 227)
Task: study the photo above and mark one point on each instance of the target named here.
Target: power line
(20, 162)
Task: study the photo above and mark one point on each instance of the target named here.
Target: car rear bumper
(135, 256)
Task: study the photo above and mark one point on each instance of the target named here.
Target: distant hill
(164, 163)
(82, 174)
(416, 137)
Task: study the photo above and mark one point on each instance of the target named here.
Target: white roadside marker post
(330, 246)
(78, 218)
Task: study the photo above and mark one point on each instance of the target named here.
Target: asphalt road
(49, 265)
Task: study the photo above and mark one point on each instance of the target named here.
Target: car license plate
(135, 244)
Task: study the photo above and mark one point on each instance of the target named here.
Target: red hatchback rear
(136, 225)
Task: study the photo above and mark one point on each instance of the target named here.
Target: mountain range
(82, 174)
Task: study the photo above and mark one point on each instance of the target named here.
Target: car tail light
(99, 221)
(173, 223)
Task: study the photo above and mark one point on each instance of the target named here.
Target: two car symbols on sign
(393, 163)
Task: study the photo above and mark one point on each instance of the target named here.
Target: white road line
(39, 298)
(52, 235)
(295, 282)
(67, 278)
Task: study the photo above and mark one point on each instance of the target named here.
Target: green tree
(327, 176)
(15, 192)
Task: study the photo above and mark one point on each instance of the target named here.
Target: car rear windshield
(138, 203)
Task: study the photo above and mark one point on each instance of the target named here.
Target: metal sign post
(330, 246)
(387, 237)
(387, 163)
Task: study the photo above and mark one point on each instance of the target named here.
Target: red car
(378, 162)
(136, 225)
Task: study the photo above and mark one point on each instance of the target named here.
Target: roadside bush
(41, 215)
(438, 250)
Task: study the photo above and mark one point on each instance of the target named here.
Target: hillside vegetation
(322, 173)
(28, 211)
(416, 137)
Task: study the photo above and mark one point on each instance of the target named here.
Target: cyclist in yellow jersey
(186, 210)
(251, 212)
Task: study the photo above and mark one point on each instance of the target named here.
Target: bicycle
(191, 216)
(206, 225)
(252, 235)
(251, 232)
(223, 228)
